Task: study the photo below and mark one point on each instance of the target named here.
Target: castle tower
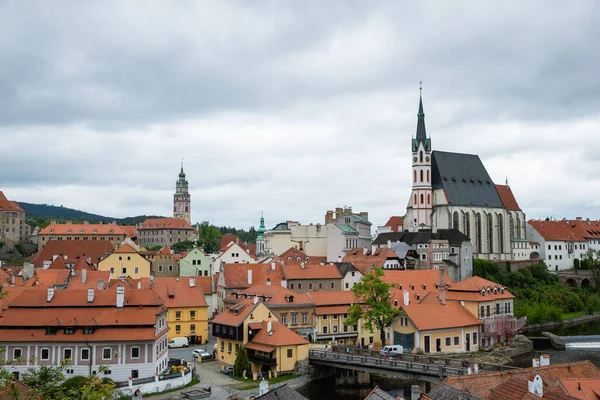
(420, 203)
(181, 198)
(260, 238)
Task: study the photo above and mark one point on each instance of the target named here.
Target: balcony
(262, 360)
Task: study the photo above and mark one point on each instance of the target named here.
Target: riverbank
(555, 324)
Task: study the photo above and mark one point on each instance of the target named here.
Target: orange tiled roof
(395, 222)
(85, 229)
(311, 271)
(280, 335)
(236, 275)
(437, 316)
(49, 277)
(332, 310)
(333, 298)
(293, 254)
(226, 239)
(91, 280)
(95, 249)
(237, 314)
(125, 249)
(518, 389)
(165, 251)
(177, 292)
(556, 230)
(418, 283)
(471, 289)
(205, 282)
(508, 198)
(481, 384)
(582, 388)
(364, 262)
(275, 296)
(7, 205)
(164, 223)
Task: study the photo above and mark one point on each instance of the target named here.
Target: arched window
(420, 156)
(415, 175)
(422, 197)
(478, 232)
(428, 198)
(455, 220)
(500, 234)
(490, 232)
(511, 227)
(518, 232)
(467, 225)
(427, 176)
(421, 173)
(415, 199)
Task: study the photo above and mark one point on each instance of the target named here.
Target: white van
(391, 350)
(178, 342)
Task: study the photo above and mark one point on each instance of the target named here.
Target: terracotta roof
(293, 254)
(481, 384)
(471, 289)
(418, 283)
(7, 205)
(332, 310)
(95, 249)
(260, 347)
(364, 262)
(395, 222)
(276, 296)
(176, 292)
(567, 230)
(436, 316)
(205, 282)
(125, 249)
(92, 279)
(21, 390)
(49, 277)
(280, 335)
(226, 239)
(100, 335)
(164, 251)
(236, 275)
(235, 315)
(311, 271)
(85, 229)
(333, 298)
(165, 223)
(518, 389)
(582, 388)
(507, 197)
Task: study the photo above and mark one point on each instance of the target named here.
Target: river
(327, 389)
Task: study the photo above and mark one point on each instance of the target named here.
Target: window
(345, 328)
(106, 353)
(331, 285)
(88, 330)
(192, 328)
(347, 285)
(474, 337)
(294, 318)
(497, 308)
(69, 331)
(324, 316)
(456, 340)
(335, 329)
(112, 270)
(124, 270)
(229, 347)
(177, 328)
(488, 310)
(192, 314)
(304, 318)
(320, 285)
(170, 268)
(135, 352)
(448, 341)
(17, 353)
(289, 353)
(284, 319)
(160, 268)
(324, 329)
(422, 198)
(85, 354)
(482, 314)
(177, 315)
(423, 256)
(237, 348)
(136, 270)
(222, 345)
(120, 258)
(291, 285)
(299, 286)
(135, 373)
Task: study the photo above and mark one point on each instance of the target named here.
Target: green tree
(593, 303)
(591, 261)
(241, 364)
(153, 248)
(209, 237)
(376, 310)
(46, 380)
(180, 247)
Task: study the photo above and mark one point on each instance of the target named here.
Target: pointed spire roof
(421, 134)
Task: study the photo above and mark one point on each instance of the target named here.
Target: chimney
(65, 256)
(269, 326)
(83, 276)
(273, 265)
(415, 392)
(302, 265)
(389, 244)
(536, 362)
(406, 298)
(442, 287)
(339, 259)
(100, 284)
(365, 251)
(120, 296)
(139, 285)
(284, 283)
(50, 294)
(544, 360)
(535, 385)
(12, 279)
(249, 276)
(192, 282)
(90, 295)
(373, 248)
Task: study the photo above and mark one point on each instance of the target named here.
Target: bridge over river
(406, 365)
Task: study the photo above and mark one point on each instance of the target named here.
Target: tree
(376, 308)
(46, 380)
(241, 364)
(180, 247)
(209, 237)
(591, 261)
(593, 304)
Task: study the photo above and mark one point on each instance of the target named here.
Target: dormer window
(88, 330)
(69, 230)
(51, 230)
(95, 230)
(81, 230)
(289, 258)
(69, 330)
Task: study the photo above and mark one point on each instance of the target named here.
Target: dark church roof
(453, 236)
(464, 180)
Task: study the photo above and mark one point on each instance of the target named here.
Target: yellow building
(436, 328)
(187, 309)
(125, 261)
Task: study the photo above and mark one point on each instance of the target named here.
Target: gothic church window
(455, 221)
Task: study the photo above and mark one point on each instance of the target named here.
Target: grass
(192, 383)
(574, 315)
(247, 384)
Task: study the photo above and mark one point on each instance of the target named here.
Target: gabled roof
(276, 296)
(567, 230)
(283, 392)
(7, 205)
(443, 391)
(280, 335)
(416, 282)
(238, 313)
(582, 388)
(177, 292)
(235, 276)
(49, 277)
(165, 223)
(293, 254)
(365, 260)
(206, 283)
(508, 198)
(95, 249)
(518, 389)
(378, 394)
(345, 267)
(395, 222)
(464, 180)
(311, 271)
(437, 316)
(474, 285)
(333, 298)
(226, 239)
(165, 251)
(125, 249)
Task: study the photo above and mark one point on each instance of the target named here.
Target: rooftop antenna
(507, 181)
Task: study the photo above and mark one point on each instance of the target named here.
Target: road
(186, 353)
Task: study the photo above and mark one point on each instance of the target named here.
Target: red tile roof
(86, 229)
(518, 389)
(49, 277)
(177, 292)
(125, 249)
(481, 384)
(7, 205)
(236, 275)
(437, 316)
(226, 239)
(418, 283)
(280, 335)
(206, 283)
(364, 262)
(567, 230)
(92, 279)
(582, 388)
(235, 315)
(164, 223)
(333, 298)
(508, 198)
(311, 271)
(293, 254)
(95, 249)
(332, 310)
(395, 222)
(275, 296)
(475, 284)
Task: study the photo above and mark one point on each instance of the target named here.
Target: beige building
(165, 264)
(13, 229)
(305, 277)
(112, 232)
(165, 232)
(125, 261)
(311, 239)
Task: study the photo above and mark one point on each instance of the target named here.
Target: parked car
(391, 351)
(203, 354)
(228, 370)
(178, 342)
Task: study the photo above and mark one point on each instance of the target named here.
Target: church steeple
(260, 238)
(182, 198)
(421, 132)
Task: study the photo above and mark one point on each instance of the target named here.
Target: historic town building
(454, 191)
(13, 229)
(181, 199)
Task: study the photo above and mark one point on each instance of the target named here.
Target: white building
(350, 274)
(233, 253)
(345, 231)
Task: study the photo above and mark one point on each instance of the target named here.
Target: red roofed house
(234, 253)
(306, 277)
(165, 232)
(394, 224)
(563, 242)
(366, 258)
(13, 228)
(125, 261)
(123, 330)
(71, 250)
(86, 231)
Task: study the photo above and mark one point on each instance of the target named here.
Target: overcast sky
(294, 107)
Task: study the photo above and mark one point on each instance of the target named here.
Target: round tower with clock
(181, 198)
(420, 203)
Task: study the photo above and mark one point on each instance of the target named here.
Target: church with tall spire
(182, 207)
(260, 237)
(454, 191)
